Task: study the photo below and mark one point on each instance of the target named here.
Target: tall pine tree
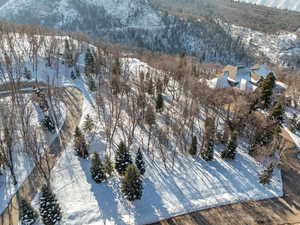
(80, 145)
(139, 162)
(132, 184)
(159, 103)
(97, 169)
(122, 158)
(108, 166)
(208, 152)
(230, 151)
(49, 208)
(28, 215)
(277, 112)
(89, 62)
(267, 87)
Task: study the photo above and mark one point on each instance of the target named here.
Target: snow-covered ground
(23, 163)
(281, 49)
(282, 4)
(192, 184)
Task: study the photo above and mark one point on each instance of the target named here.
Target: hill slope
(283, 4)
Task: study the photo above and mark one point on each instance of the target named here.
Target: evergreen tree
(230, 151)
(97, 169)
(277, 112)
(208, 153)
(159, 103)
(123, 158)
(28, 215)
(294, 123)
(193, 148)
(73, 77)
(89, 62)
(49, 208)
(266, 176)
(80, 145)
(108, 166)
(92, 84)
(267, 86)
(88, 125)
(27, 74)
(139, 162)
(48, 123)
(132, 184)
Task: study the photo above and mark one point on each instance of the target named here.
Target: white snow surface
(191, 185)
(23, 163)
(144, 15)
(282, 4)
(281, 48)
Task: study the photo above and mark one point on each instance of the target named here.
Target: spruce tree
(28, 215)
(267, 87)
(122, 158)
(49, 208)
(88, 125)
(266, 176)
(230, 151)
(89, 62)
(208, 152)
(80, 145)
(132, 184)
(139, 162)
(193, 148)
(108, 166)
(97, 169)
(92, 84)
(159, 103)
(277, 113)
(73, 76)
(48, 124)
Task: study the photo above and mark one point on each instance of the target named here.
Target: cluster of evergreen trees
(132, 184)
(50, 211)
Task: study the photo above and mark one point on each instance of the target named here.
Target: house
(243, 78)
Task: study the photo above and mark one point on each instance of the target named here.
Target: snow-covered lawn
(191, 185)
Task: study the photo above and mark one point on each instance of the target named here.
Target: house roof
(232, 72)
(255, 77)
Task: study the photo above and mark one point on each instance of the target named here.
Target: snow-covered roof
(240, 77)
(262, 70)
